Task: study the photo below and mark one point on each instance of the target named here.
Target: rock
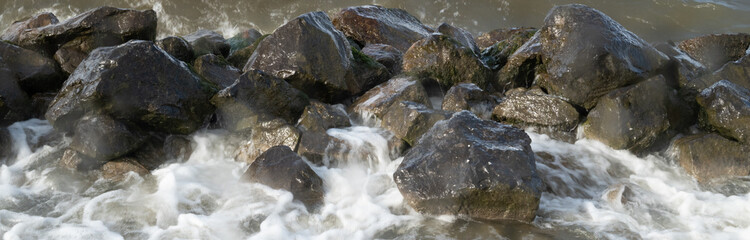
(255, 97)
(447, 61)
(13, 32)
(471, 167)
(138, 83)
(707, 156)
(536, 109)
(35, 72)
(70, 54)
(14, 102)
(216, 70)
(639, 117)
(496, 55)
(117, 170)
(379, 99)
(375, 24)
(725, 108)
(409, 120)
(366, 72)
(319, 117)
(40, 103)
(177, 47)
(265, 135)
(205, 41)
(492, 37)
(736, 72)
(714, 50)
(685, 68)
(240, 57)
(467, 96)
(460, 35)
(387, 55)
(178, 147)
(320, 148)
(74, 160)
(280, 168)
(584, 55)
(242, 40)
(100, 137)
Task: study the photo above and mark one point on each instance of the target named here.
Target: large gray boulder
(725, 108)
(387, 55)
(471, 167)
(280, 168)
(319, 117)
(736, 72)
(375, 24)
(460, 35)
(708, 156)
(265, 135)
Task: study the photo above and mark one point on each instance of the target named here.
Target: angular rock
(138, 83)
(14, 102)
(177, 47)
(714, 50)
(379, 99)
(725, 108)
(447, 61)
(409, 120)
(74, 160)
(280, 168)
(320, 148)
(70, 54)
(639, 117)
(387, 55)
(366, 72)
(256, 97)
(13, 32)
(216, 70)
(375, 24)
(467, 96)
(536, 109)
(708, 156)
(35, 72)
(492, 37)
(118, 169)
(685, 68)
(496, 55)
(265, 135)
(584, 55)
(319, 117)
(206, 41)
(471, 167)
(460, 35)
(102, 138)
(243, 39)
(736, 72)
(240, 57)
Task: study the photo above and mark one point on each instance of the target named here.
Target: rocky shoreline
(126, 101)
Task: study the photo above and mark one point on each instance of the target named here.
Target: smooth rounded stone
(240, 57)
(409, 120)
(375, 24)
(118, 170)
(639, 117)
(725, 108)
(319, 117)
(387, 55)
(13, 32)
(256, 97)
(15, 104)
(490, 38)
(708, 156)
(685, 68)
(35, 72)
(76, 161)
(715, 50)
(467, 96)
(280, 168)
(138, 83)
(265, 135)
(206, 41)
(460, 35)
(447, 61)
(100, 137)
(496, 55)
(243, 39)
(377, 101)
(527, 108)
(177, 47)
(470, 167)
(216, 70)
(584, 53)
(736, 72)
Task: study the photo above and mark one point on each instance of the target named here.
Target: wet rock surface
(467, 96)
(460, 35)
(496, 55)
(216, 70)
(376, 24)
(240, 57)
(409, 120)
(117, 170)
(35, 72)
(102, 138)
(725, 108)
(736, 72)
(14, 102)
(387, 55)
(715, 50)
(265, 135)
(14, 31)
(447, 61)
(531, 108)
(708, 156)
(319, 117)
(177, 47)
(492, 37)
(243, 39)
(379, 99)
(206, 41)
(280, 168)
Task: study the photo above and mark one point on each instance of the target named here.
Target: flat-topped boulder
(530, 108)
(375, 24)
(708, 156)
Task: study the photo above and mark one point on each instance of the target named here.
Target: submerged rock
(460, 35)
(707, 156)
(379, 99)
(492, 37)
(447, 61)
(15, 104)
(471, 167)
(725, 108)
(409, 120)
(216, 70)
(177, 47)
(265, 135)
(714, 50)
(206, 41)
(280, 168)
(35, 72)
(530, 108)
(17, 28)
(100, 137)
(319, 117)
(375, 24)
(387, 55)
(467, 96)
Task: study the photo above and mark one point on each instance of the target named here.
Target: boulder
(467, 96)
(319, 117)
(375, 24)
(321, 149)
(240, 57)
(490, 38)
(714, 50)
(447, 61)
(280, 168)
(584, 55)
(138, 83)
(725, 108)
(377, 101)
(40, 103)
(265, 135)
(409, 120)
(470, 167)
(242, 40)
(13, 32)
(707, 156)
(216, 70)
(256, 97)
(70, 54)
(117, 170)
(102, 138)
(15, 104)
(736, 72)
(206, 41)
(684, 68)
(366, 72)
(73, 160)
(460, 35)
(530, 108)
(387, 55)
(35, 72)
(639, 117)
(177, 47)
(496, 55)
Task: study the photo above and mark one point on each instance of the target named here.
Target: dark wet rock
(119, 169)
(206, 41)
(376, 24)
(379, 99)
(216, 70)
(409, 120)
(366, 72)
(736, 72)
(70, 54)
(178, 147)
(13, 32)
(15, 104)
(387, 55)
(684, 68)
(74, 160)
(460, 35)
(529, 108)
(467, 96)
(639, 117)
(714, 50)
(240, 57)
(35, 72)
(492, 37)
(447, 61)
(280, 168)
(40, 102)
(471, 167)
(584, 55)
(265, 135)
(725, 108)
(177, 47)
(255, 97)
(151, 154)
(320, 148)
(707, 156)
(100, 137)
(496, 55)
(138, 83)
(243, 39)
(319, 117)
